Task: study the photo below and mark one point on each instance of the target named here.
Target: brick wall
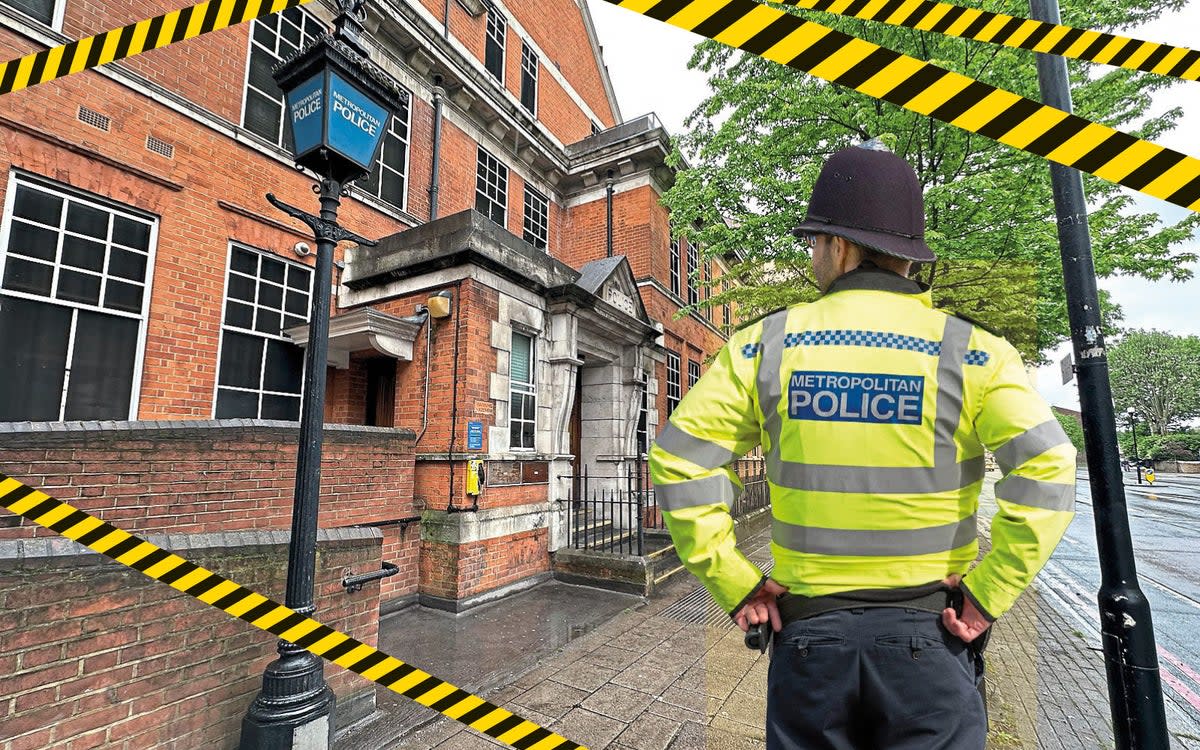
(192, 194)
(187, 477)
(96, 655)
(459, 571)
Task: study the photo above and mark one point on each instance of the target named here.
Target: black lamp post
(338, 106)
(1137, 463)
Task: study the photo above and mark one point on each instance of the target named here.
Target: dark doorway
(381, 393)
(576, 424)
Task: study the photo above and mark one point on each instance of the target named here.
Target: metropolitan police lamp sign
(338, 106)
(326, 111)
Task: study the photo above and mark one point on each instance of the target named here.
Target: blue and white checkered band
(878, 339)
(875, 339)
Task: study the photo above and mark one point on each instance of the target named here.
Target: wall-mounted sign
(474, 436)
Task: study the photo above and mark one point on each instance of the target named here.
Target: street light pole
(338, 105)
(1137, 463)
(1130, 655)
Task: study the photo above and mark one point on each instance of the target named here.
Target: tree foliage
(1158, 375)
(1073, 429)
(756, 145)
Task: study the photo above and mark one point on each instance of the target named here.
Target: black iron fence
(611, 513)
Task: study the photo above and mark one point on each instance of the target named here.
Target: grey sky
(648, 64)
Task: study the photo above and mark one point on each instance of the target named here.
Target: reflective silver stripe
(694, 492)
(1030, 444)
(817, 540)
(955, 337)
(770, 372)
(1035, 494)
(690, 448)
(884, 480)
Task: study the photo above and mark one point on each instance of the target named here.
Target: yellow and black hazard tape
(933, 91)
(133, 39)
(1022, 33)
(266, 614)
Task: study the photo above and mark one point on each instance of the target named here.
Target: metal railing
(605, 514)
(612, 513)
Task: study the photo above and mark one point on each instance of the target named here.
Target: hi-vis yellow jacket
(873, 410)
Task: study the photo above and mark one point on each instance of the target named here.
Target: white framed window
(48, 12)
(75, 276)
(537, 219)
(674, 387)
(675, 260)
(726, 313)
(493, 54)
(529, 78)
(388, 179)
(693, 373)
(491, 188)
(272, 39)
(693, 260)
(260, 371)
(522, 399)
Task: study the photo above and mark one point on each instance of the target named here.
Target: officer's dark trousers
(881, 678)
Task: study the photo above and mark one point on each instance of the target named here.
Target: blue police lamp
(338, 102)
(338, 107)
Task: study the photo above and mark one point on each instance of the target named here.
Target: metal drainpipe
(450, 507)
(434, 180)
(446, 20)
(428, 346)
(608, 208)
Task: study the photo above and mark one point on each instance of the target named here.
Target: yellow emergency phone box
(474, 476)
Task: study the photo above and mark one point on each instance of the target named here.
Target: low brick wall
(1177, 467)
(217, 475)
(96, 655)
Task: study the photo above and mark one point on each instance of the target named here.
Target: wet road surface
(1164, 522)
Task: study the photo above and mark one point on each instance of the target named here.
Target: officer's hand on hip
(761, 608)
(971, 623)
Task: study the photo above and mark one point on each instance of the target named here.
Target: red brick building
(145, 283)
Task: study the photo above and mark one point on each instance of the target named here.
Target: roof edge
(597, 53)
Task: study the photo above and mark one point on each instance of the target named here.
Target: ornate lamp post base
(295, 708)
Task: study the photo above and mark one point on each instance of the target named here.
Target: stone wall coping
(40, 552)
(26, 434)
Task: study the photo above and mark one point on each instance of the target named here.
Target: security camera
(301, 249)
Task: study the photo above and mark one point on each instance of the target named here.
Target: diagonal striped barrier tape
(929, 90)
(1022, 33)
(133, 39)
(266, 614)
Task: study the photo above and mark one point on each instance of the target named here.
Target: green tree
(1158, 375)
(1073, 429)
(756, 145)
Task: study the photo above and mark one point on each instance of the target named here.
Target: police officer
(873, 410)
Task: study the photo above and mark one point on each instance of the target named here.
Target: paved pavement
(672, 674)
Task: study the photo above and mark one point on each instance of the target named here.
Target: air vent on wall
(161, 147)
(94, 118)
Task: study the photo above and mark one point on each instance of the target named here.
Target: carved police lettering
(856, 397)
